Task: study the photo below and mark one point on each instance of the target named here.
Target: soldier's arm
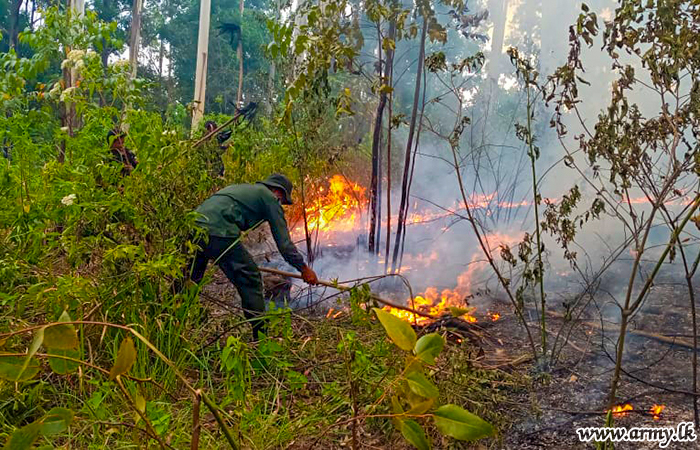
(280, 232)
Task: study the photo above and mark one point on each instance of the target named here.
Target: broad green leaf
(398, 330)
(461, 424)
(56, 421)
(62, 337)
(396, 405)
(140, 405)
(63, 366)
(23, 438)
(413, 364)
(459, 312)
(125, 358)
(386, 89)
(36, 343)
(421, 385)
(12, 368)
(428, 347)
(415, 434)
(396, 409)
(421, 408)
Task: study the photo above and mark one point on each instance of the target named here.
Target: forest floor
(488, 370)
(573, 394)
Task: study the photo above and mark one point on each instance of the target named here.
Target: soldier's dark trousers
(235, 261)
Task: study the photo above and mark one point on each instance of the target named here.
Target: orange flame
(337, 208)
(656, 411)
(620, 410)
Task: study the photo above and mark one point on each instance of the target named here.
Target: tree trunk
(68, 114)
(498, 10)
(13, 30)
(31, 16)
(134, 36)
(239, 54)
(403, 206)
(413, 167)
(388, 171)
(200, 82)
(376, 148)
(161, 56)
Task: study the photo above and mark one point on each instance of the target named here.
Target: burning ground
(535, 409)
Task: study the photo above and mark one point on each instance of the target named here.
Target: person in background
(6, 150)
(217, 164)
(120, 153)
(237, 208)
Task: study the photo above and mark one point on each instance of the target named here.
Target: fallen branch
(344, 288)
(647, 334)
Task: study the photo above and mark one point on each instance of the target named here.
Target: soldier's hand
(308, 275)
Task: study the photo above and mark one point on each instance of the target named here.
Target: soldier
(216, 162)
(237, 208)
(120, 153)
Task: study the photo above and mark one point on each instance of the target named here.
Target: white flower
(79, 64)
(64, 129)
(91, 53)
(68, 199)
(76, 55)
(56, 89)
(120, 65)
(68, 93)
(66, 63)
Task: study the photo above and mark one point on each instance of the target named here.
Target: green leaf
(398, 330)
(415, 434)
(63, 366)
(421, 385)
(461, 424)
(140, 403)
(62, 337)
(421, 408)
(24, 437)
(396, 409)
(459, 312)
(56, 421)
(125, 358)
(428, 347)
(388, 44)
(12, 368)
(396, 405)
(386, 89)
(36, 343)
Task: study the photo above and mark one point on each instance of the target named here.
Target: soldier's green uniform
(237, 208)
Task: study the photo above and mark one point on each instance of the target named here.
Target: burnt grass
(574, 392)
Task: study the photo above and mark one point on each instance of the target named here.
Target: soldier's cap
(279, 181)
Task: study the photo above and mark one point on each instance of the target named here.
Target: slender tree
(376, 169)
(13, 30)
(135, 36)
(498, 10)
(239, 54)
(403, 205)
